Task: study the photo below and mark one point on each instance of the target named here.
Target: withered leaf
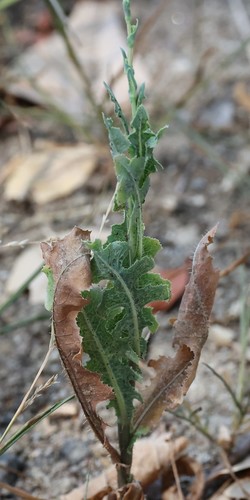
(192, 324)
(166, 388)
(150, 456)
(173, 376)
(69, 260)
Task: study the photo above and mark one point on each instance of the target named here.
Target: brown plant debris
(69, 261)
(173, 376)
(155, 453)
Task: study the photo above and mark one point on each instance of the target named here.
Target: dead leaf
(29, 259)
(49, 173)
(188, 467)
(242, 95)
(150, 457)
(173, 376)
(166, 388)
(69, 260)
(178, 278)
(45, 74)
(132, 491)
(236, 491)
(192, 324)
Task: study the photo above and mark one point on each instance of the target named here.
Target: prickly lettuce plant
(101, 293)
(113, 322)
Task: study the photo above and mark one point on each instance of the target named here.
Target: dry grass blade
(27, 395)
(18, 492)
(236, 263)
(41, 388)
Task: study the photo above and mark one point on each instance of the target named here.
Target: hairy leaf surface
(111, 323)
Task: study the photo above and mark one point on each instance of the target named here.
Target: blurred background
(56, 172)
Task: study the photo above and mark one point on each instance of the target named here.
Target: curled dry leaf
(173, 376)
(192, 324)
(69, 261)
(150, 457)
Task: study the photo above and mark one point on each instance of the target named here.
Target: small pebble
(221, 335)
(74, 450)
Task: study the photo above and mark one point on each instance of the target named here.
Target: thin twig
(232, 473)
(175, 472)
(18, 492)
(236, 263)
(228, 388)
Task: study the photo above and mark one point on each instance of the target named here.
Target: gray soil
(196, 55)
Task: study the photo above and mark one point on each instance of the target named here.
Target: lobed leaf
(111, 323)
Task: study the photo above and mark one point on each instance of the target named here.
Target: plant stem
(132, 84)
(126, 450)
(244, 328)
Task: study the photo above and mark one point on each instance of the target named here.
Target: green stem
(126, 450)
(132, 88)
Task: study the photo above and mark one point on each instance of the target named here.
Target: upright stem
(124, 475)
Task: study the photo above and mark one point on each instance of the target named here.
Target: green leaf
(141, 95)
(118, 142)
(118, 110)
(50, 288)
(129, 70)
(112, 323)
(131, 37)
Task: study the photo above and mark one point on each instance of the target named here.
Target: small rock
(218, 115)
(221, 335)
(68, 410)
(10, 467)
(74, 450)
(235, 309)
(198, 184)
(196, 200)
(185, 235)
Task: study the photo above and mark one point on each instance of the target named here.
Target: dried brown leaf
(188, 467)
(174, 375)
(69, 260)
(150, 457)
(36, 174)
(192, 324)
(132, 491)
(166, 388)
